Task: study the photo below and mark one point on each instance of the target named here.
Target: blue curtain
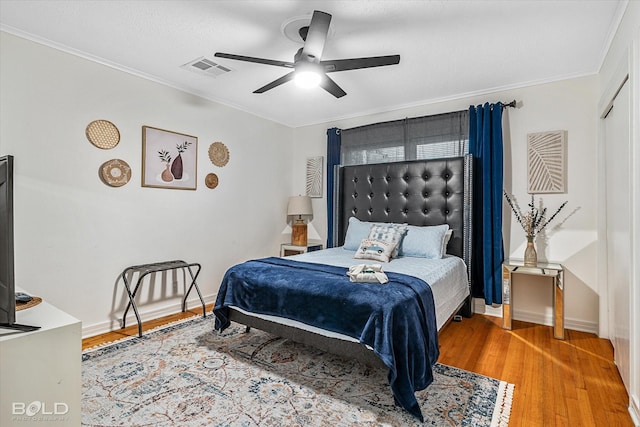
(333, 159)
(485, 144)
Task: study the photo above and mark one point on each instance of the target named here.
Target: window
(428, 137)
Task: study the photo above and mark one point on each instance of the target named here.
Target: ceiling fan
(308, 67)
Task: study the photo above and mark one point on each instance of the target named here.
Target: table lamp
(299, 205)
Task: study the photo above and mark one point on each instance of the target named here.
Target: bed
(421, 194)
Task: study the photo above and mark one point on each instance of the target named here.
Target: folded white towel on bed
(369, 273)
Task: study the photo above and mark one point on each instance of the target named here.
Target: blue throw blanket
(396, 319)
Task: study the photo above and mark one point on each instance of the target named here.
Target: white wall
(568, 105)
(74, 235)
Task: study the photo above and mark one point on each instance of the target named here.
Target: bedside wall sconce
(299, 206)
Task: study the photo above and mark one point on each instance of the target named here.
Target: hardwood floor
(557, 383)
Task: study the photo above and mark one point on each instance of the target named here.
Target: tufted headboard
(419, 192)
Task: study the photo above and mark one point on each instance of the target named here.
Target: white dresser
(40, 371)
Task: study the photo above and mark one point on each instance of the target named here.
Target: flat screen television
(7, 278)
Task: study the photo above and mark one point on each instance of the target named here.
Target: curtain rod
(504, 105)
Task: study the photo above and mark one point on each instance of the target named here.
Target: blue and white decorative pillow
(391, 234)
(374, 249)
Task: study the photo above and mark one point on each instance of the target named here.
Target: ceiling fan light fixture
(309, 69)
(308, 74)
(307, 79)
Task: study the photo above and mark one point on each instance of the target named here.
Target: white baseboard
(490, 310)
(145, 315)
(634, 411)
(480, 307)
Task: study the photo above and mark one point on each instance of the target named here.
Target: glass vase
(530, 254)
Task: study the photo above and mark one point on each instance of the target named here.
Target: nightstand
(553, 271)
(287, 249)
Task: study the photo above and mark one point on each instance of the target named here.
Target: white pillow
(356, 231)
(424, 242)
(374, 249)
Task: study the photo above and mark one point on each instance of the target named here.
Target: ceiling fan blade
(332, 87)
(256, 60)
(316, 35)
(277, 82)
(332, 66)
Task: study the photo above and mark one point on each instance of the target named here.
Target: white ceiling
(448, 49)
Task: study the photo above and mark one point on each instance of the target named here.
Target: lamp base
(299, 233)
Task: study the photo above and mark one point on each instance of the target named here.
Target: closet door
(618, 224)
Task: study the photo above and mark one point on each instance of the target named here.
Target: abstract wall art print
(169, 159)
(314, 176)
(547, 162)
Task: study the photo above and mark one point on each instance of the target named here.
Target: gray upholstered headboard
(419, 192)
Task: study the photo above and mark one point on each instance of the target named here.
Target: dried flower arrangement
(535, 219)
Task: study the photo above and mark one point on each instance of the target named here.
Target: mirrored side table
(553, 271)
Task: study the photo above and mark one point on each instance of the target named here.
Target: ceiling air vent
(206, 66)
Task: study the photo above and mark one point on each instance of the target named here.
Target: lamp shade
(299, 205)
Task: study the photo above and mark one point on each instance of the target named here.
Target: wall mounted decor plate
(211, 180)
(547, 162)
(219, 154)
(103, 134)
(115, 172)
(169, 159)
(314, 176)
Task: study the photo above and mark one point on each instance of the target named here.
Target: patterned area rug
(188, 375)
